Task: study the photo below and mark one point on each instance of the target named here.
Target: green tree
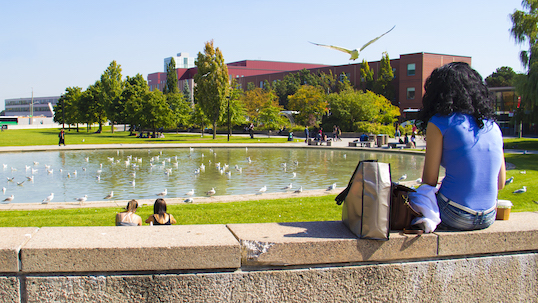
(67, 109)
(385, 76)
(311, 104)
(350, 107)
(111, 89)
(135, 87)
(237, 108)
(525, 31)
(187, 94)
(503, 76)
(211, 83)
(155, 111)
(179, 108)
(171, 86)
(92, 108)
(367, 76)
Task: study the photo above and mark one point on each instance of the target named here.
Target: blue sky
(50, 45)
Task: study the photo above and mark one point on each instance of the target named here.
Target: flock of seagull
(160, 161)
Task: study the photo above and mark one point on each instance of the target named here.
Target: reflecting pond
(142, 173)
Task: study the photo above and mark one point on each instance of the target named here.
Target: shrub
(374, 128)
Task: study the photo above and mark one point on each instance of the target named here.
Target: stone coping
(236, 246)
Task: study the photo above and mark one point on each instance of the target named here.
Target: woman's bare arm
(434, 151)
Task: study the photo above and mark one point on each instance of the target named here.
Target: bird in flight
(355, 52)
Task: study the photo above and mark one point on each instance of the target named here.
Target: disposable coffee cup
(503, 209)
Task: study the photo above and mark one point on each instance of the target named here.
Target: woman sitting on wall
(462, 136)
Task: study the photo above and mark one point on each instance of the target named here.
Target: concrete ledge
(89, 249)
(520, 233)
(13, 238)
(323, 243)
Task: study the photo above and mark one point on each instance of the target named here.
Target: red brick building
(410, 73)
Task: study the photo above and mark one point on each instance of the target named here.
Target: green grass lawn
(321, 208)
(49, 136)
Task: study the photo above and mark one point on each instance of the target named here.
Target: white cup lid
(504, 204)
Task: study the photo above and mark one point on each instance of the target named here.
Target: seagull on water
(520, 191)
(331, 187)
(48, 199)
(288, 187)
(510, 180)
(10, 179)
(109, 196)
(21, 183)
(190, 192)
(3, 190)
(163, 193)
(9, 199)
(355, 52)
(263, 189)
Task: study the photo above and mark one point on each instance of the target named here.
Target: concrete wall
(269, 262)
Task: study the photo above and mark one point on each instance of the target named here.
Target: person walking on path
(61, 135)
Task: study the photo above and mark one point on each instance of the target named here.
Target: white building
(31, 107)
(182, 61)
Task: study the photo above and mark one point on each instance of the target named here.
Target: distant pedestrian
(61, 135)
(339, 133)
(306, 133)
(251, 130)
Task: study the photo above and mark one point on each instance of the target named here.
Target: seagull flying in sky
(354, 53)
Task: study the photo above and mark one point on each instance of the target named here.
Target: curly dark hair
(456, 87)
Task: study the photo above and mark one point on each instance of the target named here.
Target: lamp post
(228, 117)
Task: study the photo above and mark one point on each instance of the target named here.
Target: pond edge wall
(268, 262)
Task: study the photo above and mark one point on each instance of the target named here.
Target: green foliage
(187, 93)
(91, 107)
(211, 83)
(503, 76)
(385, 76)
(350, 107)
(237, 108)
(110, 94)
(311, 104)
(171, 86)
(179, 109)
(367, 76)
(373, 128)
(135, 88)
(525, 30)
(67, 107)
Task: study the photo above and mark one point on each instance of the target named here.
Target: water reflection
(73, 174)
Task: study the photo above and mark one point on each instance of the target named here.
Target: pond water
(73, 174)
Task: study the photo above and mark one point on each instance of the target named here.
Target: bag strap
(342, 196)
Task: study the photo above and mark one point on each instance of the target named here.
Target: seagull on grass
(510, 180)
(355, 52)
(520, 191)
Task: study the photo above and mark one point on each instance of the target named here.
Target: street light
(228, 117)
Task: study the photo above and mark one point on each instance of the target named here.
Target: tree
(92, 108)
(211, 83)
(237, 108)
(350, 107)
(171, 78)
(67, 108)
(367, 76)
(111, 89)
(135, 87)
(154, 111)
(385, 76)
(179, 109)
(503, 76)
(254, 101)
(311, 104)
(525, 30)
(187, 94)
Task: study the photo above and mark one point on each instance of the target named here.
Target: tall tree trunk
(112, 126)
(214, 129)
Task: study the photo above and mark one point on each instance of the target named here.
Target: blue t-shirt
(472, 160)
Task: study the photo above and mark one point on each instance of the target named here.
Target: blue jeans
(453, 218)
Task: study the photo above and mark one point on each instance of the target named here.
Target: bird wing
(345, 50)
(375, 39)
